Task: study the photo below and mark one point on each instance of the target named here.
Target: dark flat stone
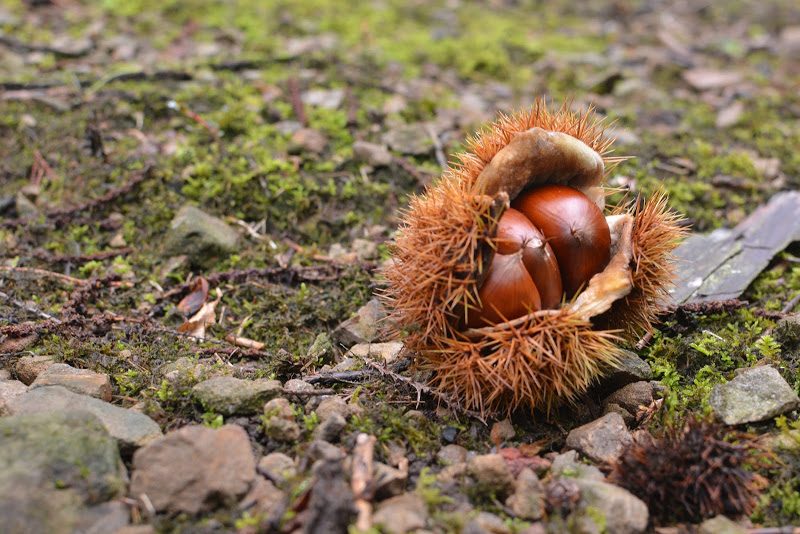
(722, 264)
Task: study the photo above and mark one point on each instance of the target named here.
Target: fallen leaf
(206, 316)
(704, 79)
(674, 44)
(730, 115)
(532, 449)
(789, 43)
(196, 297)
(686, 163)
(721, 265)
(767, 167)
(518, 459)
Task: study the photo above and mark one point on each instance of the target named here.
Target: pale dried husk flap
(537, 157)
(615, 281)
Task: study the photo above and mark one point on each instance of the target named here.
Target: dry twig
(422, 388)
(79, 258)
(196, 117)
(422, 176)
(64, 214)
(343, 377)
(361, 478)
(22, 47)
(319, 273)
(293, 87)
(791, 304)
(29, 308)
(244, 342)
(44, 273)
(437, 145)
(309, 393)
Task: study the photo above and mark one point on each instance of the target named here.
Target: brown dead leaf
(769, 168)
(518, 459)
(532, 449)
(789, 42)
(705, 79)
(206, 316)
(730, 115)
(646, 413)
(685, 163)
(675, 45)
(198, 295)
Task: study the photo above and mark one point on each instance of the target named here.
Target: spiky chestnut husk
(446, 241)
(693, 472)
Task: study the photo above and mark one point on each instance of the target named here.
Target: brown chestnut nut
(574, 227)
(507, 292)
(515, 232)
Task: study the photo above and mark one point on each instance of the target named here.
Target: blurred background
(704, 94)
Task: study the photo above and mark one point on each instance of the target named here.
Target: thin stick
(296, 100)
(307, 274)
(437, 145)
(309, 393)
(81, 258)
(29, 308)
(193, 115)
(244, 342)
(64, 214)
(351, 106)
(41, 168)
(45, 273)
(361, 478)
(344, 377)
(708, 306)
(23, 47)
(147, 324)
(645, 341)
(791, 304)
(422, 388)
(422, 176)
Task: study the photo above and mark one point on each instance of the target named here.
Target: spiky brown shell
(439, 253)
(534, 361)
(694, 471)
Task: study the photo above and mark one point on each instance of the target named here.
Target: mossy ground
(397, 62)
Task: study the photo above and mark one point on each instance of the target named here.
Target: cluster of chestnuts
(511, 281)
(550, 242)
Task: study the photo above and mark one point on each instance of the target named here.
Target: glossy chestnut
(507, 292)
(515, 232)
(574, 227)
